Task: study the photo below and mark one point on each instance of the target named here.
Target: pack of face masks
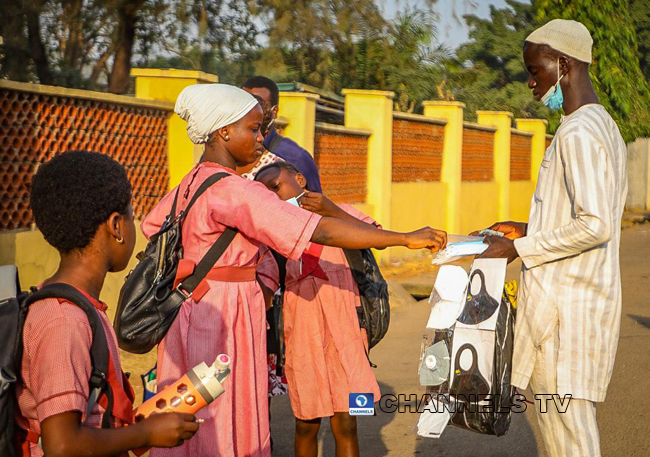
(466, 355)
(459, 246)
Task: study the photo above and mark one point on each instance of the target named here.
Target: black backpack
(149, 302)
(14, 306)
(374, 312)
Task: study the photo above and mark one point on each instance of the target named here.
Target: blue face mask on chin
(553, 97)
(294, 200)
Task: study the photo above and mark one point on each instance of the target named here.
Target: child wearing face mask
(325, 347)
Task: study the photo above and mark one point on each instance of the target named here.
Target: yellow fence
(404, 170)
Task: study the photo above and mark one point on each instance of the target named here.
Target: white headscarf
(208, 107)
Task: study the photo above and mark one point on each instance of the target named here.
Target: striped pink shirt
(56, 364)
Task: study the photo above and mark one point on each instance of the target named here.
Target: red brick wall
(342, 161)
(478, 155)
(520, 153)
(36, 127)
(417, 150)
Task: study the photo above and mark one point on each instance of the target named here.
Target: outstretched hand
(428, 238)
(511, 230)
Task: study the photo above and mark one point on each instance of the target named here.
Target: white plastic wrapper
(460, 246)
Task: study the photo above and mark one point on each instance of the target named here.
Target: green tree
(91, 43)
(488, 72)
(640, 13)
(616, 74)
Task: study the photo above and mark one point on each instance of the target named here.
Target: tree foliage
(615, 71)
(640, 14)
(331, 44)
(488, 72)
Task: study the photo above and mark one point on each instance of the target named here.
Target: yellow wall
(416, 205)
(37, 260)
(521, 192)
(167, 84)
(479, 203)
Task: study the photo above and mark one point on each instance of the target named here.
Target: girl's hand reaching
(319, 204)
(428, 238)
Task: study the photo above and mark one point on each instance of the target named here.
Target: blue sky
(452, 30)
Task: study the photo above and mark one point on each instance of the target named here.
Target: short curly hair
(74, 193)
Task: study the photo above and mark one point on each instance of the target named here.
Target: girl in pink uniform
(230, 317)
(326, 357)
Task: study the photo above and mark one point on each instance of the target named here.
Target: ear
(114, 225)
(224, 133)
(563, 62)
(274, 112)
(302, 181)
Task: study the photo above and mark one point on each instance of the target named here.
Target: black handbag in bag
(148, 301)
(374, 312)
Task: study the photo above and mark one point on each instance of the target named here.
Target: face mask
(471, 381)
(553, 97)
(479, 307)
(294, 200)
(434, 369)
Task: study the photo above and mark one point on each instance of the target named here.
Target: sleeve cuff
(305, 236)
(525, 247)
(62, 403)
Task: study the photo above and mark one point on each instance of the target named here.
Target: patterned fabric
(56, 364)
(277, 384)
(574, 432)
(266, 159)
(571, 272)
(230, 318)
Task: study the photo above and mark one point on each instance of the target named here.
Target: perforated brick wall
(417, 150)
(342, 161)
(478, 155)
(36, 127)
(520, 153)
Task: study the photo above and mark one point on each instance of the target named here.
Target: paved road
(624, 418)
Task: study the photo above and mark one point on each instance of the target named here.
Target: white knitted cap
(569, 37)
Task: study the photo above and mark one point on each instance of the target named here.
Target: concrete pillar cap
(305, 95)
(384, 93)
(494, 113)
(443, 103)
(174, 73)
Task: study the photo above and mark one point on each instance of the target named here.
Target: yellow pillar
(373, 110)
(300, 109)
(502, 121)
(538, 143)
(452, 155)
(158, 84)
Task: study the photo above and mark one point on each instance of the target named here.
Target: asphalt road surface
(624, 418)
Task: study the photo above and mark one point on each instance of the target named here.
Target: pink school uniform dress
(325, 347)
(230, 317)
(56, 367)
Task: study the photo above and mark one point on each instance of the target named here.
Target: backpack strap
(207, 262)
(216, 250)
(99, 356)
(205, 185)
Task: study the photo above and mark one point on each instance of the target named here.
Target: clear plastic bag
(481, 391)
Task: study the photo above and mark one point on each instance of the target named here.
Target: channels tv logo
(362, 404)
